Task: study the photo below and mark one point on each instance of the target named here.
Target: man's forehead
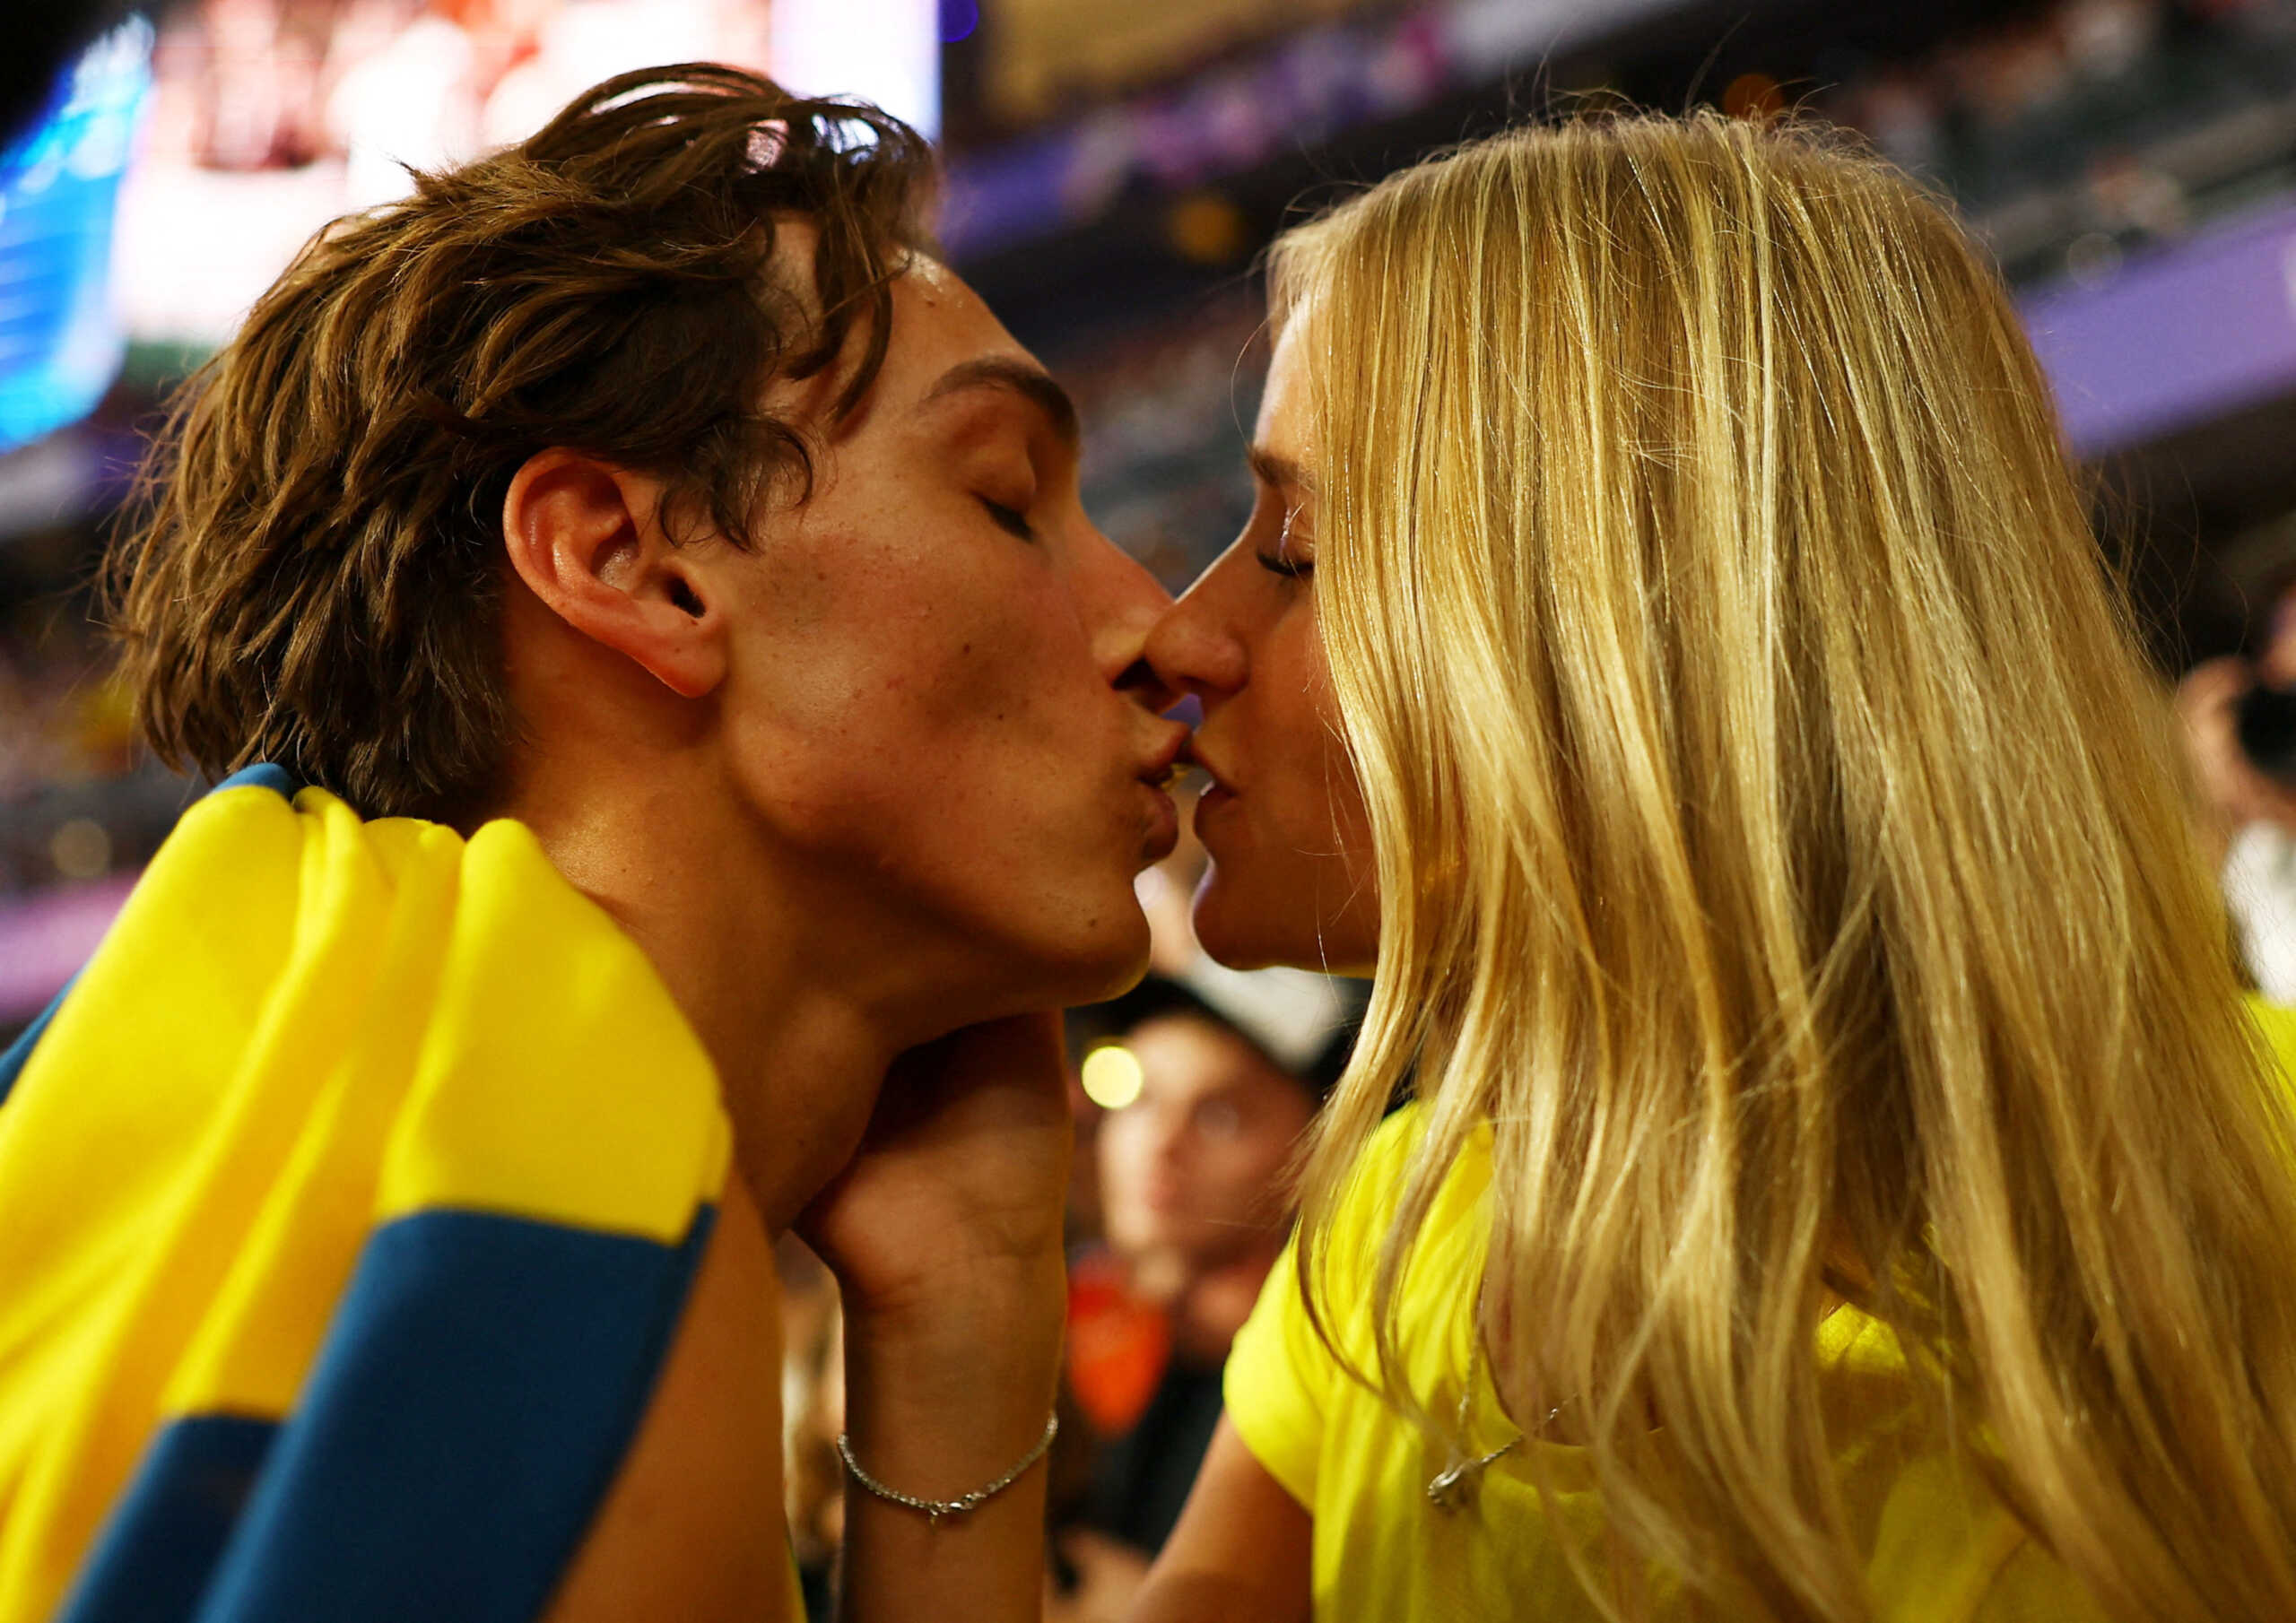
(945, 343)
(941, 325)
(939, 320)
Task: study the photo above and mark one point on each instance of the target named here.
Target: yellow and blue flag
(349, 1198)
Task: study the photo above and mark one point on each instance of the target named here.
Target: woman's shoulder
(1947, 1549)
(1944, 1545)
(1449, 1246)
(1375, 1181)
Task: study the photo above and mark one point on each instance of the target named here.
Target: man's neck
(800, 1022)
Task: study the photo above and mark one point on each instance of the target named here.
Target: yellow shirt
(1941, 1548)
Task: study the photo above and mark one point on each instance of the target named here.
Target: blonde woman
(1844, 1183)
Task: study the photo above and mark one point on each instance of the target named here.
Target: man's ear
(586, 537)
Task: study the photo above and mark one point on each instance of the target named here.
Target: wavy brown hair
(311, 574)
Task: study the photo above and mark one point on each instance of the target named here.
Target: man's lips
(1171, 752)
(1164, 766)
(1163, 827)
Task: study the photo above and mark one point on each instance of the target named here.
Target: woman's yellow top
(1940, 1547)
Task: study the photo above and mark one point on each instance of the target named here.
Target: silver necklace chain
(1449, 1487)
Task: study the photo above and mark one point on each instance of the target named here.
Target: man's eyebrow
(1032, 383)
(1280, 474)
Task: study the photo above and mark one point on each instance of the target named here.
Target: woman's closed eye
(1290, 556)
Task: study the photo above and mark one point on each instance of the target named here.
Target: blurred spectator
(1206, 1102)
(813, 1412)
(2248, 811)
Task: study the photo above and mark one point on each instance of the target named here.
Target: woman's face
(1291, 879)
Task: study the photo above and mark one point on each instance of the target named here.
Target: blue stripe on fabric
(20, 1052)
(481, 1382)
(263, 775)
(152, 1561)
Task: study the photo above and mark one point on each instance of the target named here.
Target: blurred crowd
(2086, 126)
(1165, 413)
(78, 800)
(2069, 133)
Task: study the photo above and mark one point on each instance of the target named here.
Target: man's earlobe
(586, 537)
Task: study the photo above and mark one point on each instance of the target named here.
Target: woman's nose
(1192, 648)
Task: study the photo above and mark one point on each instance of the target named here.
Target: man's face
(1194, 1166)
(935, 701)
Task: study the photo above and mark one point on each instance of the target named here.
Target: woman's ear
(586, 537)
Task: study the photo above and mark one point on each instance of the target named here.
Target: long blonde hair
(1779, 842)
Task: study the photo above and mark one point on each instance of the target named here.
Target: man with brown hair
(688, 574)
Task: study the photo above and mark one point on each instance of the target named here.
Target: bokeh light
(1111, 1076)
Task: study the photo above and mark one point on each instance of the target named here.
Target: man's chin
(1111, 971)
(1071, 974)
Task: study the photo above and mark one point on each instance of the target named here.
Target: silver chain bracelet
(934, 1509)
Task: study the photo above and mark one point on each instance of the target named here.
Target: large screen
(270, 118)
(60, 337)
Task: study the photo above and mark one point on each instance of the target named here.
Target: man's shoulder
(402, 1145)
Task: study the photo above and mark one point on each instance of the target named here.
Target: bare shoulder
(1243, 1548)
(693, 1526)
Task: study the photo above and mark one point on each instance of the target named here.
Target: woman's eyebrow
(1032, 383)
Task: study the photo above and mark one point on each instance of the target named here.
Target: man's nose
(1127, 601)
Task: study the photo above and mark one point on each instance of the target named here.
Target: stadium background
(1114, 169)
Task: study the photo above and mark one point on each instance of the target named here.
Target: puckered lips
(1220, 793)
(1156, 776)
